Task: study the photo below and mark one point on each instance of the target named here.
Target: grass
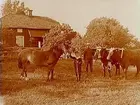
(93, 89)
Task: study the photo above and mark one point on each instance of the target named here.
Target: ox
(103, 53)
(126, 58)
(107, 63)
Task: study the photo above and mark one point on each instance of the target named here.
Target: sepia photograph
(69, 52)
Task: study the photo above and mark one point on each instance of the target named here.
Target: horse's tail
(20, 63)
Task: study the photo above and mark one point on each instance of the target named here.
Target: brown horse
(40, 58)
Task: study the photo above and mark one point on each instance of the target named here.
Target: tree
(78, 44)
(134, 44)
(14, 7)
(107, 32)
(58, 34)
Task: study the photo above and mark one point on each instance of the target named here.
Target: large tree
(134, 44)
(107, 32)
(14, 7)
(58, 34)
(78, 44)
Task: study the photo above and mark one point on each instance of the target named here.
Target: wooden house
(27, 30)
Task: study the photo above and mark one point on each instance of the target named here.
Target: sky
(79, 13)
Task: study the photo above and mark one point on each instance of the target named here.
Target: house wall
(36, 36)
(27, 42)
(8, 37)
(21, 36)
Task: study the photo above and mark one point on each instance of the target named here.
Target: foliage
(58, 34)
(107, 32)
(14, 7)
(134, 44)
(77, 44)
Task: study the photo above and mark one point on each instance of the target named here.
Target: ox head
(115, 53)
(103, 53)
(111, 51)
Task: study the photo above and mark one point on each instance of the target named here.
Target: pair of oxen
(121, 58)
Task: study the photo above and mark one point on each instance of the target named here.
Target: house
(27, 30)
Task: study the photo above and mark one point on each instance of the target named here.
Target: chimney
(30, 12)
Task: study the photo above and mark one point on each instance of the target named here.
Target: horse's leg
(25, 72)
(26, 78)
(52, 74)
(49, 74)
(22, 74)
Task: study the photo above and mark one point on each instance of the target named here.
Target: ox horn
(122, 49)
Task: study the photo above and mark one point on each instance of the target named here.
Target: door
(20, 41)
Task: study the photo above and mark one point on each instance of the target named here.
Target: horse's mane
(54, 47)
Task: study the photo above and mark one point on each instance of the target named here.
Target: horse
(40, 58)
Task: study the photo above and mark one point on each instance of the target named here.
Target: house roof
(25, 21)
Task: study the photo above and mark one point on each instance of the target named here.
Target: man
(76, 56)
(88, 58)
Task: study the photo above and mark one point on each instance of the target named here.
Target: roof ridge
(52, 20)
(20, 20)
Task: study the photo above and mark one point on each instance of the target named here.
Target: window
(19, 30)
(20, 41)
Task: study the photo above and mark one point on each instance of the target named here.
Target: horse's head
(64, 47)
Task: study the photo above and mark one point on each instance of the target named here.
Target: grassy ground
(93, 89)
